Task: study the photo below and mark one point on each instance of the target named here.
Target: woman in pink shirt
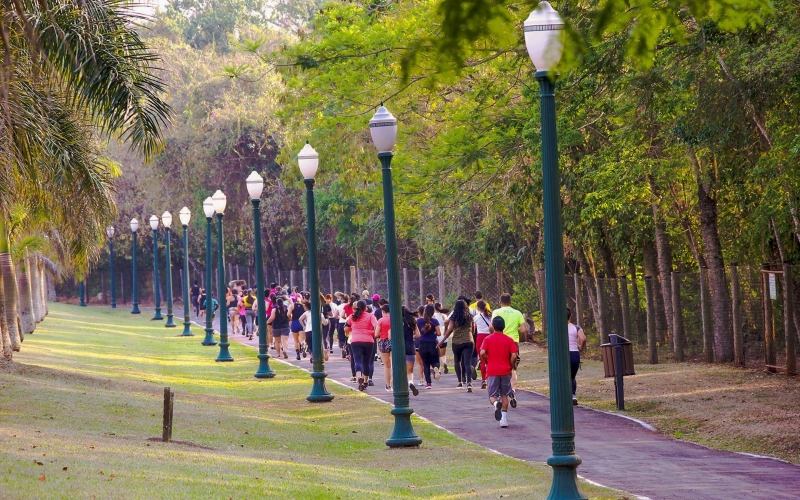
(384, 337)
(362, 338)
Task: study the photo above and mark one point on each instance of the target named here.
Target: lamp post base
(403, 433)
(224, 354)
(157, 316)
(135, 309)
(264, 370)
(113, 305)
(209, 340)
(319, 394)
(565, 478)
(187, 329)
(170, 322)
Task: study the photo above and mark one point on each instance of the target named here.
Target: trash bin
(610, 358)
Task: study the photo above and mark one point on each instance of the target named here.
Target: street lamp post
(308, 159)
(82, 293)
(543, 30)
(166, 219)
(185, 215)
(110, 234)
(219, 201)
(208, 210)
(383, 128)
(157, 293)
(135, 281)
(255, 185)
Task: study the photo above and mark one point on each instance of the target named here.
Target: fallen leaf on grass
(411, 486)
(65, 468)
(42, 478)
(37, 462)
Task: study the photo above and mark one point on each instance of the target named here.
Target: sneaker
(474, 373)
(436, 374)
(460, 386)
(446, 371)
(428, 386)
(361, 384)
(304, 350)
(504, 420)
(483, 385)
(352, 379)
(387, 388)
(512, 399)
(413, 388)
(370, 383)
(469, 387)
(331, 350)
(285, 355)
(574, 400)
(498, 412)
(344, 354)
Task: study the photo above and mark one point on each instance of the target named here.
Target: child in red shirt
(499, 352)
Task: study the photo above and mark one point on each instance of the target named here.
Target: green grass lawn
(79, 402)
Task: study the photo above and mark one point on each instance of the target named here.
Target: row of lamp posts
(542, 30)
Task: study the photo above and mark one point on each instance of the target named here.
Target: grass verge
(79, 402)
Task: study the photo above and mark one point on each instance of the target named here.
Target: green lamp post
(383, 128)
(208, 210)
(166, 219)
(543, 30)
(157, 294)
(308, 159)
(255, 185)
(110, 234)
(82, 293)
(219, 201)
(135, 281)
(185, 215)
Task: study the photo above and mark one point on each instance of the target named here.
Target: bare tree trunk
(10, 294)
(652, 349)
(36, 293)
(5, 337)
(43, 289)
(611, 288)
(677, 321)
(664, 252)
(651, 269)
(25, 301)
(635, 300)
(705, 316)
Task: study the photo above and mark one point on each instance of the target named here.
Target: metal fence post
(441, 284)
(421, 289)
(305, 279)
(354, 280)
(788, 320)
(477, 278)
(769, 322)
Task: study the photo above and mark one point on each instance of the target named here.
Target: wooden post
(169, 401)
(576, 317)
(291, 280)
(477, 278)
(705, 317)
(441, 284)
(421, 289)
(458, 280)
(635, 317)
(602, 318)
(652, 351)
(330, 282)
(372, 283)
(769, 323)
(405, 286)
(305, 279)
(354, 280)
(788, 320)
(677, 318)
(627, 328)
(736, 313)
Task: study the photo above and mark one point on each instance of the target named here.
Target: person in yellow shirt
(473, 308)
(514, 325)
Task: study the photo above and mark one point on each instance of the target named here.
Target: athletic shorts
(385, 345)
(444, 345)
(411, 359)
(499, 385)
(296, 326)
(280, 332)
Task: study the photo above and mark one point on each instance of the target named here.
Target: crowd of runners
(483, 342)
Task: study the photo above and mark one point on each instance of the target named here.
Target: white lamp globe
(308, 159)
(185, 215)
(154, 222)
(383, 127)
(255, 185)
(110, 231)
(219, 201)
(166, 218)
(543, 36)
(208, 207)
(134, 225)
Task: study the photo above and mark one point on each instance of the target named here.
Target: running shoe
(460, 385)
(285, 355)
(483, 385)
(446, 371)
(304, 350)
(504, 421)
(370, 383)
(474, 373)
(413, 388)
(498, 412)
(361, 384)
(428, 386)
(512, 399)
(298, 355)
(388, 389)
(352, 379)
(436, 373)
(469, 387)
(574, 400)
(344, 354)
(331, 350)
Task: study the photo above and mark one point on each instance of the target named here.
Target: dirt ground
(744, 410)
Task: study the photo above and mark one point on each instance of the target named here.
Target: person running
(362, 337)
(499, 353)
(305, 320)
(201, 300)
(474, 306)
(410, 335)
(515, 324)
(279, 319)
(383, 334)
(441, 315)
(236, 324)
(342, 315)
(460, 327)
(195, 295)
(429, 329)
(327, 313)
(577, 341)
(483, 322)
(299, 334)
(249, 299)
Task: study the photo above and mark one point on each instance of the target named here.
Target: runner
(236, 325)
(410, 335)
(478, 297)
(383, 334)
(249, 299)
(515, 324)
(201, 300)
(299, 334)
(327, 313)
(483, 323)
(441, 316)
(342, 315)
(362, 338)
(499, 352)
(279, 319)
(305, 320)
(429, 352)
(577, 340)
(195, 295)
(460, 327)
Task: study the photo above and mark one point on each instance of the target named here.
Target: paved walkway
(616, 452)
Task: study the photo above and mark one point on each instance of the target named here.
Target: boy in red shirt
(499, 352)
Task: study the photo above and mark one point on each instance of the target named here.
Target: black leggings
(430, 358)
(327, 339)
(574, 365)
(341, 335)
(362, 354)
(463, 358)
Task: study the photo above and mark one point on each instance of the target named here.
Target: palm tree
(26, 320)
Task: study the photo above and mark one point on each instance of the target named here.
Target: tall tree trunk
(25, 301)
(43, 288)
(720, 293)
(612, 286)
(36, 294)
(636, 310)
(9, 287)
(664, 252)
(651, 269)
(5, 338)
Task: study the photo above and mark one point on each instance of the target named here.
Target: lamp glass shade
(383, 127)
(154, 222)
(110, 231)
(543, 36)
(219, 201)
(308, 159)
(134, 225)
(255, 185)
(166, 218)
(185, 215)
(208, 207)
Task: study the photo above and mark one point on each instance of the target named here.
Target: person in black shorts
(194, 293)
